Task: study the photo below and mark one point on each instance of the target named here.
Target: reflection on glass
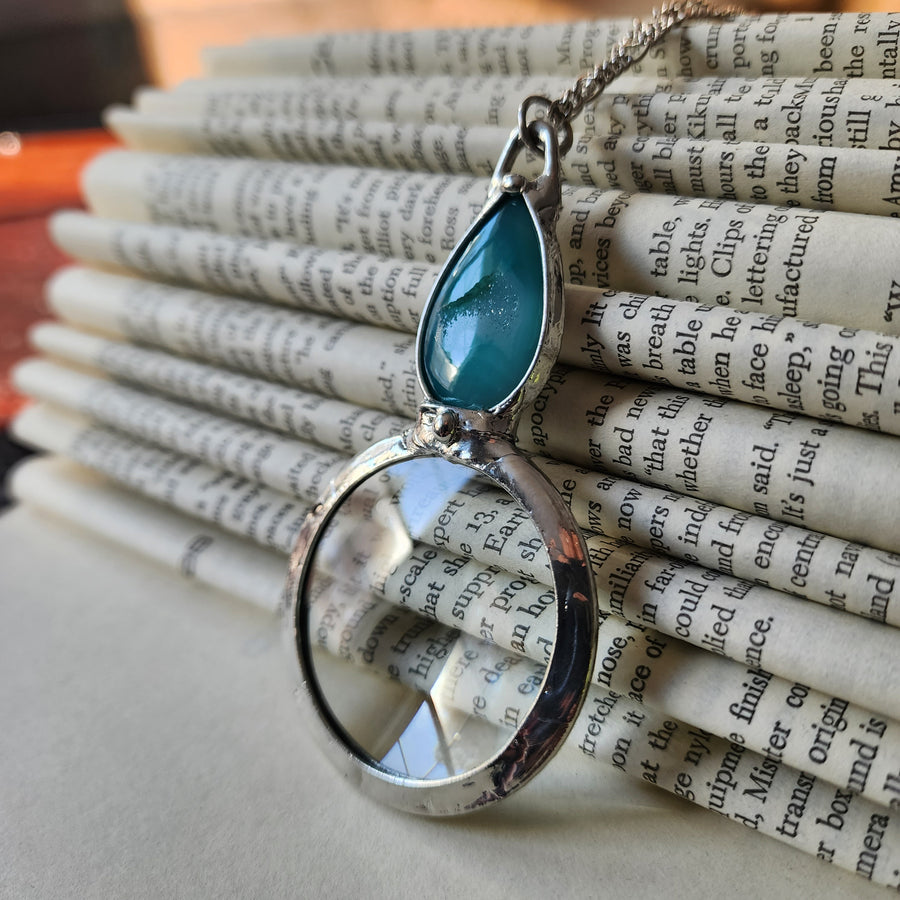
(424, 604)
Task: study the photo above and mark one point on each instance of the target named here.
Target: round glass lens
(428, 619)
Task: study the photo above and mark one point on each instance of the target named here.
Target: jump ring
(529, 139)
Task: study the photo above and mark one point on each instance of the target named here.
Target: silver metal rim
(568, 673)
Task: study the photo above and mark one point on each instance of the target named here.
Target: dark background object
(63, 61)
(10, 453)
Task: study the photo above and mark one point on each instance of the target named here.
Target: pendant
(494, 318)
(413, 700)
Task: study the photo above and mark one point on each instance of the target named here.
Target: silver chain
(628, 50)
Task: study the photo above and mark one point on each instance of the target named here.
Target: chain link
(627, 51)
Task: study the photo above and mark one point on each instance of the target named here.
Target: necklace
(421, 715)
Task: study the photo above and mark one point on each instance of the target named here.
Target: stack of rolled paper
(724, 420)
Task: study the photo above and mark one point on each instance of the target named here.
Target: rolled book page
(280, 345)
(717, 252)
(341, 426)
(196, 549)
(776, 464)
(470, 100)
(755, 169)
(809, 564)
(237, 505)
(787, 467)
(773, 140)
(758, 627)
(299, 469)
(362, 287)
(837, 44)
(831, 372)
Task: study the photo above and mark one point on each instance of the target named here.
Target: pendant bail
(552, 116)
(545, 190)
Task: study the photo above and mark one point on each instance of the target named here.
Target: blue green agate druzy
(484, 324)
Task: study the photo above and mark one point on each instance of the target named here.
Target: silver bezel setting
(542, 198)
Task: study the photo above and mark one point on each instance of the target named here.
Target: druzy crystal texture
(484, 324)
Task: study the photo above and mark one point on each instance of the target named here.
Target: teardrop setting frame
(483, 441)
(542, 200)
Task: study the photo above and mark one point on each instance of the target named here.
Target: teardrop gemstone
(484, 322)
